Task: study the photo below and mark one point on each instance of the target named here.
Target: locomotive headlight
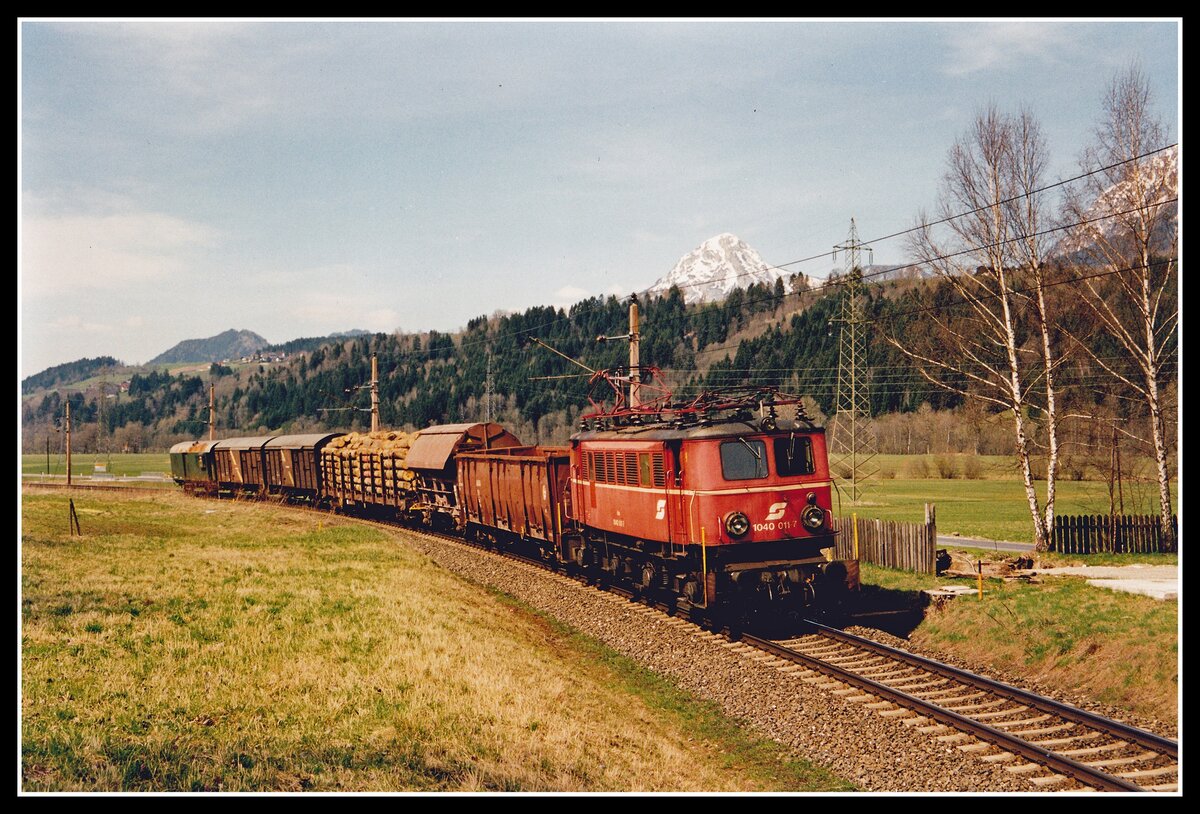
(813, 518)
(737, 524)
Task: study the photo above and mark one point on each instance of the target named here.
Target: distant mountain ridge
(229, 344)
(715, 268)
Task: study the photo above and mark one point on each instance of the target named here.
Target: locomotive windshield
(743, 460)
(793, 456)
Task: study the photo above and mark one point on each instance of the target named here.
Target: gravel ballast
(874, 752)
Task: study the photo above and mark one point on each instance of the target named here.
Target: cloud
(77, 324)
(342, 306)
(990, 46)
(65, 253)
(572, 293)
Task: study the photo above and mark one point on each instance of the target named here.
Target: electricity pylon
(853, 447)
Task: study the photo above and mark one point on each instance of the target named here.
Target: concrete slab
(1157, 581)
(1156, 589)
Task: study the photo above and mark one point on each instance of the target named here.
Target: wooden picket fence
(1092, 534)
(892, 543)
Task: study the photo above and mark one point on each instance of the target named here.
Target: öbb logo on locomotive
(716, 504)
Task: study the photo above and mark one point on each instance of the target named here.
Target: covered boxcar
(293, 465)
(240, 465)
(192, 465)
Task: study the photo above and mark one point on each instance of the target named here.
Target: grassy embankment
(1116, 648)
(182, 644)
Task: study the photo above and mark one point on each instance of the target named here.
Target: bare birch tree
(1127, 222)
(979, 347)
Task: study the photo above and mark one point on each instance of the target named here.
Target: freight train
(719, 505)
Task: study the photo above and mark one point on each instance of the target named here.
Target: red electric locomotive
(720, 502)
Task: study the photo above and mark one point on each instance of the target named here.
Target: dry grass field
(182, 644)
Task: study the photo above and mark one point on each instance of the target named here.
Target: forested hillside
(70, 372)
(760, 335)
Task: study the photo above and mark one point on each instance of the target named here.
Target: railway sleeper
(999, 757)
(818, 647)
(1036, 719)
(1024, 768)
(946, 693)
(901, 676)
(1049, 744)
(1000, 713)
(1049, 780)
(854, 662)
(971, 708)
(1044, 730)
(882, 671)
(1143, 757)
(1161, 771)
(913, 685)
(1095, 750)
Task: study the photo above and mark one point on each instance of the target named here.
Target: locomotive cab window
(743, 460)
(793, 456)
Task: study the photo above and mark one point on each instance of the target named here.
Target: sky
(296, 178)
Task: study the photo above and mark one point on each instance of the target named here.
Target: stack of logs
(369, 467)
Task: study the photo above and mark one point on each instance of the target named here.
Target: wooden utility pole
(487, 391)
(212, 412)
(635, 369)
(68, 442)
(374, 394)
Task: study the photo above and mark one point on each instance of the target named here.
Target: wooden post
(73, 519)
(212, 420)
(931, 537)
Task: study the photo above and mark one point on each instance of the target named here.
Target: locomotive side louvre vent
(631, 469)
(643, 469)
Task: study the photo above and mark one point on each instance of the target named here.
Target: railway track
(1051, 745)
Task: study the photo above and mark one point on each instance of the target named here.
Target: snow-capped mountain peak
(1149, 190)
(715, 268)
